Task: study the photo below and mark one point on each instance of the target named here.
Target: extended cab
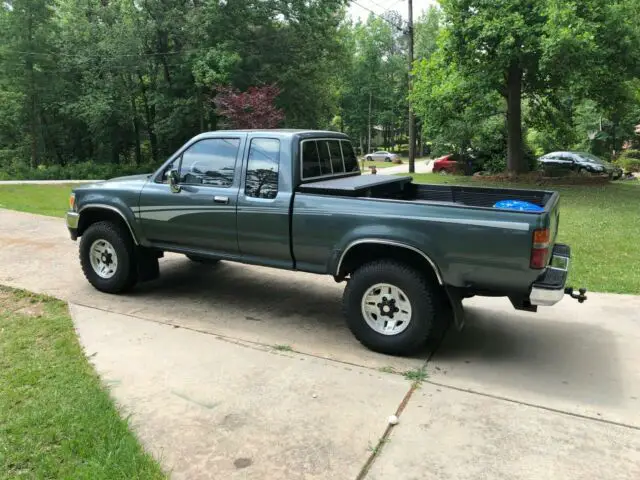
(296, 200)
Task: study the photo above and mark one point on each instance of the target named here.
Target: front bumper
(550, 287)
(72, 219)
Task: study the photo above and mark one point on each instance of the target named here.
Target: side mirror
(174, 181)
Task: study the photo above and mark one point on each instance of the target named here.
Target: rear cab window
(327, 157)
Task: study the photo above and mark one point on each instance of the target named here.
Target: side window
(337, 166)
(310, 160)
(350, 159)
(210, 162)
(325, 159)
(262, 168)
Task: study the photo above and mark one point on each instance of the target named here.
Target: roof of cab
(279, 132)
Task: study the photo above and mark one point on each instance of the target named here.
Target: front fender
(94, 201)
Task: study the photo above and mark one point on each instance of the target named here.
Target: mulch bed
(538, 179)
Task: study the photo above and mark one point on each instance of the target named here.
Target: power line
(388, 7)
(402, 29)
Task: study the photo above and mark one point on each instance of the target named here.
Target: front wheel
(107, 257)
(390, 307)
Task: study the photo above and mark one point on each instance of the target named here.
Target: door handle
(220, 199)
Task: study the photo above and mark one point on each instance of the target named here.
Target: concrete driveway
(201, 360)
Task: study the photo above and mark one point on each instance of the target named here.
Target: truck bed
(402, 188)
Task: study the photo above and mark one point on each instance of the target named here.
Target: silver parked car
(382, 155)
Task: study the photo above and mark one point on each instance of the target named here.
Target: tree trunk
(32, 96)
(369, 141)
(128, 81)
(515, 153)
(150, 116)
(200, 108)
(136, 131)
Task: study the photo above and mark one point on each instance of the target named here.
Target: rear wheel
(203, 260)
(388, 159)
(390, 307)
(107, 257)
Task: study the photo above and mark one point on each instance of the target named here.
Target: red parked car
(445, 164)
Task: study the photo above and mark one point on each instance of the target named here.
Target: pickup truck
(296, 200)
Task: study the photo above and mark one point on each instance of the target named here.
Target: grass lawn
(377, 163)
(602, 225)
(52, 200)
(56, 419)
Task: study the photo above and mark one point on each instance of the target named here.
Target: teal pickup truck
(296, 200)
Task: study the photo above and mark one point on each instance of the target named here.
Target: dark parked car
(581, 162)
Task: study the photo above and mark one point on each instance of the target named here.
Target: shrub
(495, 164)
(75, 171)
(630, 164)
(630, 160)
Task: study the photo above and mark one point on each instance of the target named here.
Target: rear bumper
(549, 289)
(72, 219)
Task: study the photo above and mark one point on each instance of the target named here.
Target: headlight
(72, 201)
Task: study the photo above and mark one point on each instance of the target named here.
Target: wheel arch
(362, 251)
(92, 213)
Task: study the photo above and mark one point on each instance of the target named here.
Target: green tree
(374, 82)
(525, 48)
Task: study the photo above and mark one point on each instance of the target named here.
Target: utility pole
(412, 121)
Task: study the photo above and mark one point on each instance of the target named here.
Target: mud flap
(147, 264)
(455, 299)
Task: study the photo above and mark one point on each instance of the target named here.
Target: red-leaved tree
(254, 108)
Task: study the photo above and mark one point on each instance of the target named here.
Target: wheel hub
(386, 309)
(103, 258)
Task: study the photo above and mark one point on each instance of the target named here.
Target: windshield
(591, 158)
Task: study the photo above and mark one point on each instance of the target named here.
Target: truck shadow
(260, 292)
(254, 304)
(550, 354)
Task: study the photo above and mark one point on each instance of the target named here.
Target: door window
(210, 162)
(262, 168)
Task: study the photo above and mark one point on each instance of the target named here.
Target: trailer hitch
(581, 297)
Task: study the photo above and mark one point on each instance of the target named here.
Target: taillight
(540, 249)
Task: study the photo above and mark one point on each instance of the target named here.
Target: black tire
(420, 292)
(125, 276)
(203, 260)
(369, 159)
(388, 159)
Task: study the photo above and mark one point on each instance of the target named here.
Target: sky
(380, 6)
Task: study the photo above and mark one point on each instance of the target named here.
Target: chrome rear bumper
(549, 289)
